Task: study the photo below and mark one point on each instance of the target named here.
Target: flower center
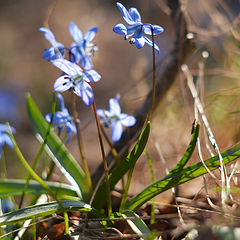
(90, 49)
(136, 30)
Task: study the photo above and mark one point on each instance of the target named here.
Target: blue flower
(6, 205)
(62, 119)
(115, 119)
(4, 137)
(75, 79)
(82, 49)
(57, 49)
(137, 29)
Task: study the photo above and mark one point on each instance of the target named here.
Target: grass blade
(186, 174)
(59, 151)
(123, 167)
(180, 165)
(136, 223)
(14, 187)
(43, 210)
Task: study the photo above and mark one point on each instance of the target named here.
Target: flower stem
(154, 78)
(88, 180)
(114, 152)
(104, 160)
(152, 181)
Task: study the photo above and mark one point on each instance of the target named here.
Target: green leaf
(186, 174)
(43, 210)
(14, 187)
(58, 152)
(123, 167)
(136, 223)
(180, 165)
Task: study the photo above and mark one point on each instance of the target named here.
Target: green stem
(40, 151)
(88, 180)
(154, 79)
(104, 161)
(113, 150)
(126, 189)
(153, 200)
(65, 214)
(34, 229)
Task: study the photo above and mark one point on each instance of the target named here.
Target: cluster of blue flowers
(78, 80)
(78, 73)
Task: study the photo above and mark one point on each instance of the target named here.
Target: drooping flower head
(4, 137)
(137, 29)
(62, 119)
(115, 119)
(82, 49)
(76, 80)
(57, 49)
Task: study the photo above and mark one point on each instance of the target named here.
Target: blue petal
(116, 132)
(70, 127)
(62, 84)
(101, 113)
(51, 53)
(57, 118)
(127, 120)
(48, 117)
(61, 101)
(7, 140)
(149, 42)
(91, 76)
(6, 205)
(75, 32)
(139, 42)
(136, 17)
(125, 14)
(120, 29)
(138, 31)
(76, 53)
(86, 62)
(156, 29)
(4, 128)
(90, 34)
(68, 67)
(84, 91)
(48, 35)
(114, 107)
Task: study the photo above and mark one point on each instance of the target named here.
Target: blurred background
(215, 29)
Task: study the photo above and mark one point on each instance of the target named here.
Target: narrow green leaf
(43, 210)
(14, 187)
(186, 174)
(123, 167)
(136, 223)
(64, 160)
(180, 165)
